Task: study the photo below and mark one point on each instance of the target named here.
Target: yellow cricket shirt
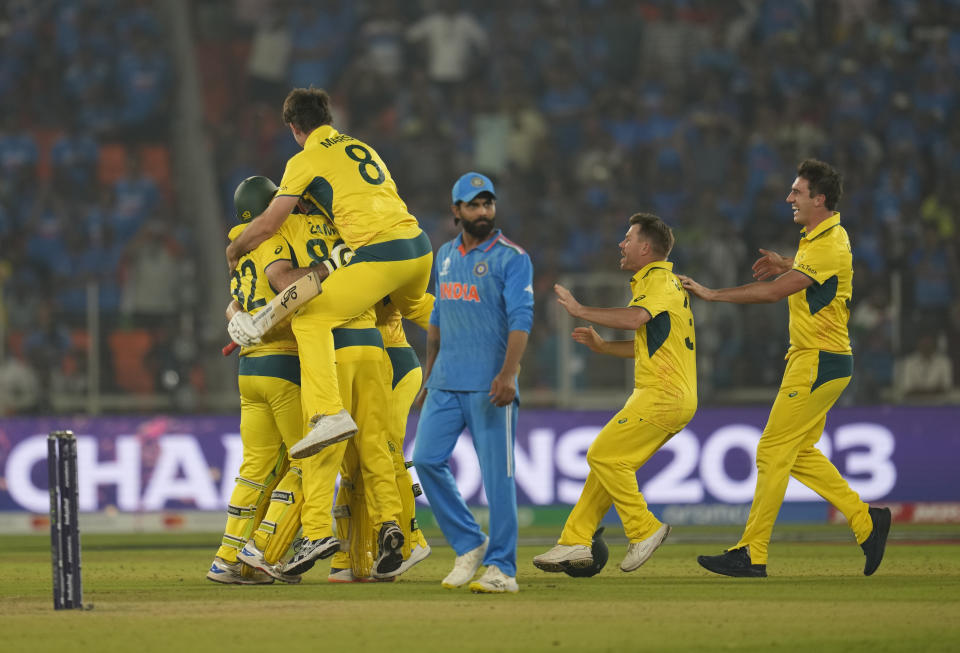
(819, 314)
(346, 179)
(249, 286)
(663, 348)
(310, 239)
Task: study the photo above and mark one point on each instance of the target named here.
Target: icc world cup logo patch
(480, 269)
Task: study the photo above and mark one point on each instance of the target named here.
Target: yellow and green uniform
(663, 401)
(363, 383)
(271, 418)
(350, 185)
(819, 366)
(406, 378)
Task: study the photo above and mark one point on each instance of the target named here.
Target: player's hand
(769, 265)
(566, 299)
(692, 286)
(339, 256)
(243, 331)
(420, 398)
(232, 258)
(589, 337)
(503, 390)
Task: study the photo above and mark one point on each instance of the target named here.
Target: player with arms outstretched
(818, 284)
(664, 398)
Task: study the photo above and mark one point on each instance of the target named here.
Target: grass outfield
(149, 594)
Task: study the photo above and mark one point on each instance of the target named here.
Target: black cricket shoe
(733, 562)
(874, 545)
(390, 556)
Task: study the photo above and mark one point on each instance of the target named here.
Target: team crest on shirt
(481, 268)
(445, 268)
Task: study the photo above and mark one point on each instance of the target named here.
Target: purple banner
(155, 463)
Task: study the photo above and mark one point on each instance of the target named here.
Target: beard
(479, 229)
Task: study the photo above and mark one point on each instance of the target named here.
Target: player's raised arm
(630, 318)
(758, 292)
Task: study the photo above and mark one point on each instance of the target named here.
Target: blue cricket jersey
(482, 295)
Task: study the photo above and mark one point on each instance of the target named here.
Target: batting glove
(243, 331)
(339, 256)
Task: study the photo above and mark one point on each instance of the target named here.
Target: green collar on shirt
(646, 269)
(829, 223)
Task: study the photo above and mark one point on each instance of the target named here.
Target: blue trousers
(444, 416)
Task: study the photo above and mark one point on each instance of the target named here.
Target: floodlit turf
(149, 594)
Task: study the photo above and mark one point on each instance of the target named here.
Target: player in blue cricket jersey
(478, 332)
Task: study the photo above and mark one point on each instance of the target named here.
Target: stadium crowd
(581, 111)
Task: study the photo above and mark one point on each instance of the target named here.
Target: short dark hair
(307, 108)
(656, 231)
(823, 179)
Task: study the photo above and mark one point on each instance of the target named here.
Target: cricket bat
(283, 305)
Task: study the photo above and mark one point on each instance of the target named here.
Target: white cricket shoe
(417, 554)
(639, 552)
(252, 556)
(324, 431)
(466, 566)
(494, 581)
(563, 557)
(235, 573)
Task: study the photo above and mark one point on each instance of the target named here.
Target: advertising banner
(148, 464)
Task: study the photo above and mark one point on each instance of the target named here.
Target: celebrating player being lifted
(818, 284)
(310, 242)
(348, 183)
(664, 399)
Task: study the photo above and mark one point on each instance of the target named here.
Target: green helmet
(252, 197)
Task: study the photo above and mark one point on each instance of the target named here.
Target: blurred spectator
(321, 38)
(453, 41)
(73, 158)
(18, 154)
(144, 84)
(135, 198)
(269, 58)
(933, 269)
(153, 284)
(46, 347)
(926, 371)
(19, 387)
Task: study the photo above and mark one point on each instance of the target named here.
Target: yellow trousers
(363, 383)
(620, 449)
(362, 522)
(271, 420)
(376, 271)
(402, 398)
(812, 383)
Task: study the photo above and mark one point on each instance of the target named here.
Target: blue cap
(470, 185)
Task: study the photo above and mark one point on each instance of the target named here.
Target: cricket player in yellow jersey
(367, 471)
(818, 285)
(311, 242)
(348, 182)
(406, 376)
(664, 398)
(271, 418)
